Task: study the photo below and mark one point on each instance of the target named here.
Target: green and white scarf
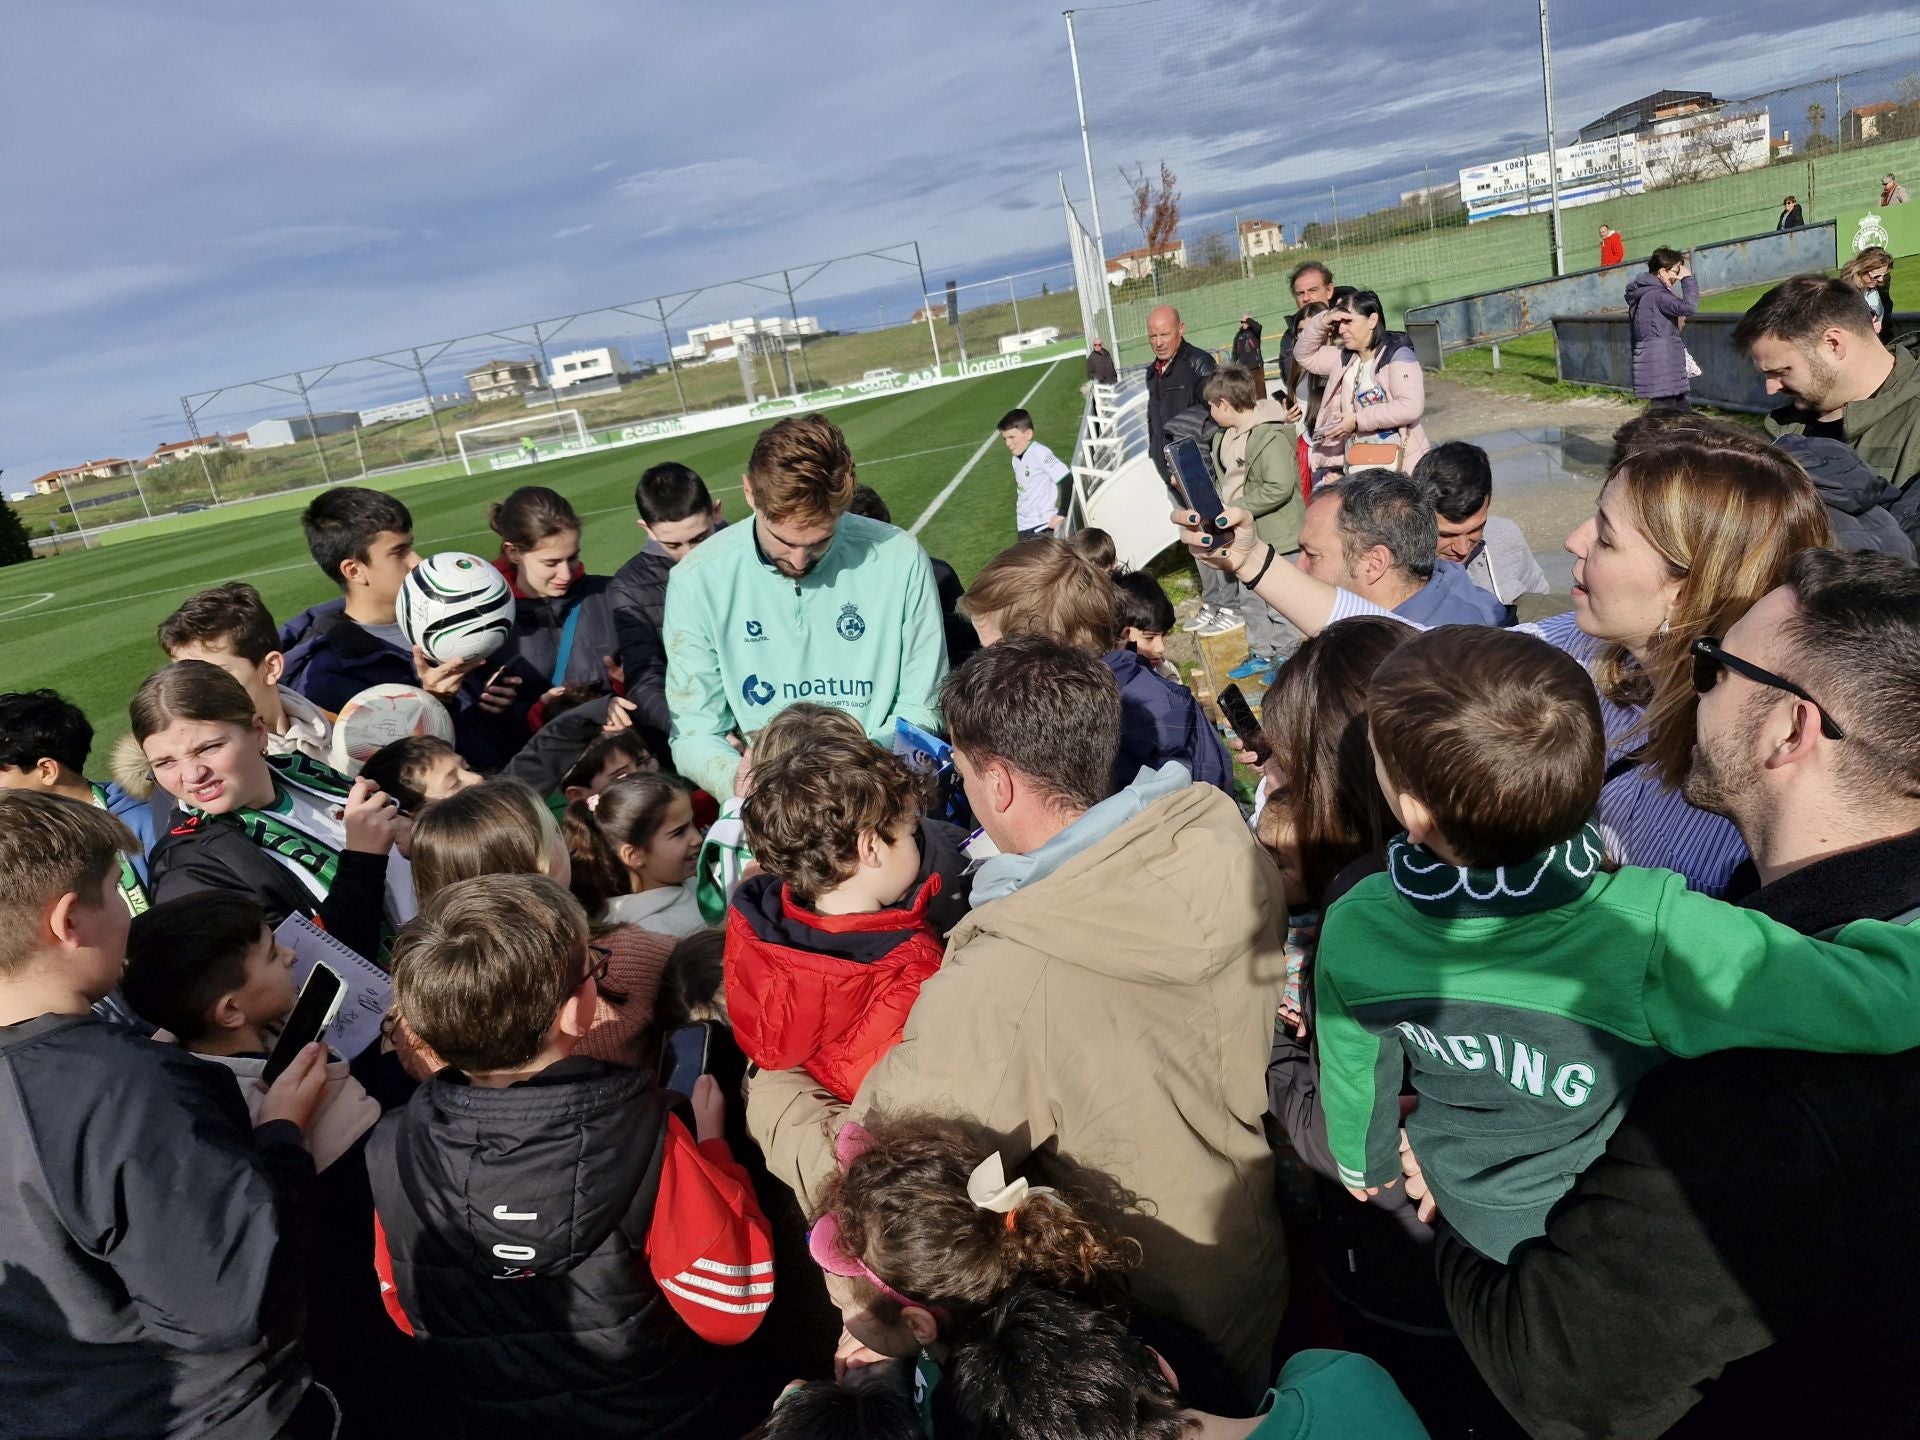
(314, 858)
(1447, 891)
(131, 890)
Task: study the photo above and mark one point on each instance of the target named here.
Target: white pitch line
(985, 445)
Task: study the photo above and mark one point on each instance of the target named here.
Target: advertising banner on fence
(891, 383)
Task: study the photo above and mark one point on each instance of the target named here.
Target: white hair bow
(989, 1188)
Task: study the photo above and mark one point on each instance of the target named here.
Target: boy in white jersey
(1041, 478)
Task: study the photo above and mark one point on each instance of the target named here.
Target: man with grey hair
(1375, 534)
(1892, 192)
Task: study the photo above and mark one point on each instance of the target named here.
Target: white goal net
(535, 436)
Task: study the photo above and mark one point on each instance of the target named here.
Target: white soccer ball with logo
(380, 715)
(455, 607)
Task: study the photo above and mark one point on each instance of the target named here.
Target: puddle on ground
(1544, 458)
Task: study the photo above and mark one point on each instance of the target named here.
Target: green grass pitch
(84, 623)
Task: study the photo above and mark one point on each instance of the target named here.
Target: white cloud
(570, 231)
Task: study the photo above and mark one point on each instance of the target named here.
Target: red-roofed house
(179, 449)
(103, 469)
(53, 481)
(1862, 123)
(1138, 264)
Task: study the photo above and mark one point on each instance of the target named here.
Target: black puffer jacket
(533, 649)
(1858, 501)
(204, 853)
(515, 1225)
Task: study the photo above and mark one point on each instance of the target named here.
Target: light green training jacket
(862, 633)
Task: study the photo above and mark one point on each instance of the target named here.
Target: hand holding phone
(297, 1093)
(312, 1013)
(683, 1059)
(1190, 483)
(1240, 715)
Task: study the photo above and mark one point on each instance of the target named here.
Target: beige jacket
(1115, 1014)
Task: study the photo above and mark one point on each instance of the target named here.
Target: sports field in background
(84, 623)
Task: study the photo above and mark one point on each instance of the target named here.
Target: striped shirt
(1642, 820)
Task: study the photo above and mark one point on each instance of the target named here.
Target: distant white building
(1260, 237)
(580, 366)
(409, 409)
(269, 434)
(724, 341)
(1139, 264)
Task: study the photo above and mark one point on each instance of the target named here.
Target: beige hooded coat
(1114, 1013)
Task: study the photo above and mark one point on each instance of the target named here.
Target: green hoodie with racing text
(1527, 1001)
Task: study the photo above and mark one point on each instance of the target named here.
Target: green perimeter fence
(1466, 260)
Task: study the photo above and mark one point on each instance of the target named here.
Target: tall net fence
(1427, 184)
(762, 345)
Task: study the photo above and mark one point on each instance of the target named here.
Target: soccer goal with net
(533, 437)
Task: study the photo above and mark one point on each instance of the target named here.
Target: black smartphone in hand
(312, 1013)
(683, 1059)
(1240, 715)
(1190, 482)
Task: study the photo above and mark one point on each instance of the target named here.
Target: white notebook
(369, 992)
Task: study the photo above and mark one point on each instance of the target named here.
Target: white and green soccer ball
(455, 607)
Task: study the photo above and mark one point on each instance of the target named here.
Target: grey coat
(1659, 354)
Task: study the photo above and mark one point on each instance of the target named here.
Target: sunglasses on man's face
(1709, 660)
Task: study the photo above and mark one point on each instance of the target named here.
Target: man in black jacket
(1742, 1260)
(150, 1249)
(677, 514)
(1174, 380)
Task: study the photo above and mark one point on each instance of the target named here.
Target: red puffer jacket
(828, 993)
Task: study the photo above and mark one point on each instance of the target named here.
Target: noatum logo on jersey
(828, 689)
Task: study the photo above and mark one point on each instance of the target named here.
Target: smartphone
(1190, 482)
(1240, 715)
(312, 1013)
(683, 1059)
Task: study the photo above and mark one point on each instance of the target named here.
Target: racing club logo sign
(850, 625)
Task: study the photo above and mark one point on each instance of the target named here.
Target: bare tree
(1156, 206)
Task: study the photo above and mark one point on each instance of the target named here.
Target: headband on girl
(824, 1242)
(989, 1189)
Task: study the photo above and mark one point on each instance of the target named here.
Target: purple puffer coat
(1659, 354)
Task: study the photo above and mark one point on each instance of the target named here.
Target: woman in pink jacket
(1375, 392)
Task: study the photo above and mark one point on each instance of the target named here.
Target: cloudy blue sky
(200, 192)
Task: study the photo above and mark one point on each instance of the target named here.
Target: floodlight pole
(1553, 159)
(1093, 190)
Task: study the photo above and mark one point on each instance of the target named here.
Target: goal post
(535, 436)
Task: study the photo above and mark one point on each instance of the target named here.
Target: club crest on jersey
(850, 625)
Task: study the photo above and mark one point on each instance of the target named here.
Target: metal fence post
(313, 427)
(673, 369)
